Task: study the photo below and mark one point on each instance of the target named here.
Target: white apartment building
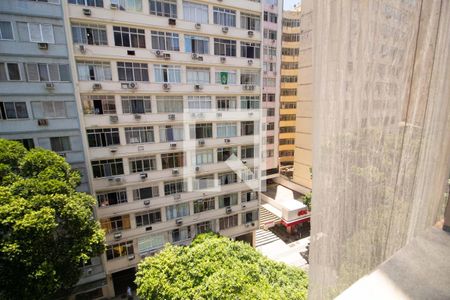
(169, 94)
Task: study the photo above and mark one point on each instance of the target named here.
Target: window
(224, 17)
(60, 144)
(250, 22)
(290, 117)
(103, 137)
(228, 222)
(250, 78)
(271, 2)
(169, 133)
(270, 34)
(248, 128)
(248, 151)
(165, 41)
(111, 198)
(136, 104)
(47, 72)
(270, 17)
(226, 77)
(146, 193)
(138, 135)
(269, 82)
(129, 71)
(200, 131)
(290, 51)
(225, 153)
(286, 153)
(41, 33)
(269, 97)
(269, 153)
(250, 102)
(203, 227)
(269, 139)
(148, 218)
(164, 8)
(129, 37)
(175, 187)
(204, 205)
(128, 5)
(49, 109)
(269, 67)
(288, 92)
(95, 3)
(167, 73)
(224, 47)
(249, 196)
(172, 160)
(202, 157)
(195, 12)
(249, 217)
(114, 224)
(270, 112)
(288, 105)
(106, 168)
(270, 51)
(250, 174)
(13, 110)
(199, 103)
(98, 104)
(288, 78)
(250, 50)
(270, 126)
(204, 182)
(95, 70)
(46, 1)
(9, 72)
(287, 141)
(151, 243)
(226, 130)
(289, 65)
(287, 129)
(90, 34)
(6, 32)
(119, 250)
(291, 22)
(226, 103)
(181, 234)
(177, 211)
(228, 200)
(27, 143)
(197, 75)
(291, 37)
(227, 178)
(196, 44)
(169, 104)
(142, 164)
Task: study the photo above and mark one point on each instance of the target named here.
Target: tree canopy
(46, 228)
(214, 267)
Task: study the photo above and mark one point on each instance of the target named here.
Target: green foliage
(306, 199)
(47, 228)
(214, 267)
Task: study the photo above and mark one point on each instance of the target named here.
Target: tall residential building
(289, 85)
(169, 94)
(303, 126)
(37, 103)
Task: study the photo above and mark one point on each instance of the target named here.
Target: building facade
(289, 86)
(169, 94)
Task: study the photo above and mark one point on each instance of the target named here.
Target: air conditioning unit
(219, 114)
(114, 119)
(250, 62)
(250, 33)
(228, 210)
(194, 56)
(159, 53)
(89, 271)
(137, 116)
(250, 113)
(175, 172)
(243, 205)
(166, 86)
(198, 87)
(172, 117)
(114, 6)
(197, 169)
(118, 179)
(272, 6)
(172, 21)
(87, 12)
(200, 58)
(223, 59)
(82, 49)
(198, 25)
(131, 256)
(227, 141)
(42, 122)
(244, 162)
(224, 29)
(166, 56)
(50, 86)
(179, 221)
(201, 142)
(173, 145)
(146, 202)
(113, 150)
(273, 41)
(143, 175)
(248, 87)
(96, 86)
(176, 197)
(117, 235)
(132, 85)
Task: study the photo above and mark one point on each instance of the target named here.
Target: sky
(289, 4)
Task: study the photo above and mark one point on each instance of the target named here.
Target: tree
(214, 267)
(46, 228)
(306, 199)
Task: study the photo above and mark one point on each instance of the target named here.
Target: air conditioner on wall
(171, 117)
